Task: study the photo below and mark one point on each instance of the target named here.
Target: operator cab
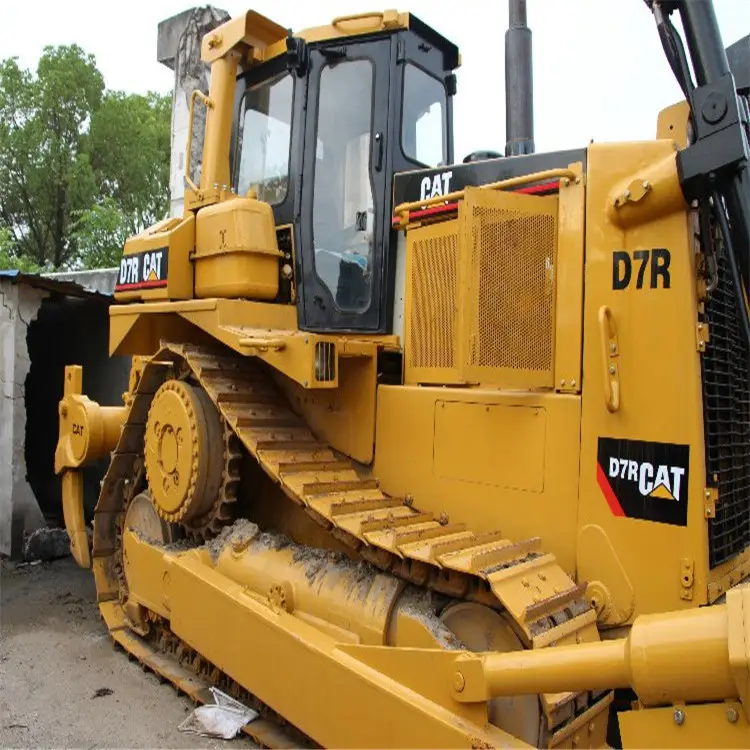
(320, 133)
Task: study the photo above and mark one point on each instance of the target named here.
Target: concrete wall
(41, 331)
(178, 47)
(19, 510)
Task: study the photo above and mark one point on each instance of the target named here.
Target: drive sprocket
(189, 459)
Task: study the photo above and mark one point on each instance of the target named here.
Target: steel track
(545, 606)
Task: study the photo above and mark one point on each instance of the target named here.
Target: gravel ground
(63, 684)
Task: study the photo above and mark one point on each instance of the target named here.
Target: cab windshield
(265, 139)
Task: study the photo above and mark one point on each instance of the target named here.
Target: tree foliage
(130, 154)
(81, 167)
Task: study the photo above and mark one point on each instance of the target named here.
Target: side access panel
(486, 458)
(642, 524)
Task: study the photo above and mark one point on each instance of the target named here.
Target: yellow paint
(672, 123)
(478, 473)
(235, 251)
(344, 417)
(344, 26)
(517, 433)
(571, 211)
(703, 726)
(414, 467)
(457, 328)
(254, 635)
(178, 237)
(87, 432)
(669, 657)
(507, 339)
(181, 451)
(249, 29)
(218, 134)
(659, 402)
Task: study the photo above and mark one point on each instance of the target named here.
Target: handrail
(358, 17)
(548, 174)
(197, 94)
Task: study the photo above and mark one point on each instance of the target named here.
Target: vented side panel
(431, 323)
(512, 242)
(726, 416)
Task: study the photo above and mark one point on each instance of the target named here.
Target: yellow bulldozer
(419, 452)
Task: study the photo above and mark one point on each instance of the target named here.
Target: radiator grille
(432, 334)
(515, 254)
(726, 416)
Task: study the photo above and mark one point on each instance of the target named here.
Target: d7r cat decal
(144, 270)
(644, 480)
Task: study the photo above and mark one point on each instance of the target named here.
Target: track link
(546, 607)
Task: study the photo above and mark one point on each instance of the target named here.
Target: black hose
(674, 50)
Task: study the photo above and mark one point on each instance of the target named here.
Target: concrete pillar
(19, 510)
(179, 48)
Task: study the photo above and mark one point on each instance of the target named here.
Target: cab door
(343, 199)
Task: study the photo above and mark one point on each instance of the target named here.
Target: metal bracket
(702, 337)
(634, 193)
(710, 498)
(686, 579)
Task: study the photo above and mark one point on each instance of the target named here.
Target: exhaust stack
(519, 94)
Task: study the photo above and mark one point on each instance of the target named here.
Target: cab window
(423, 131)
(343, 205)
(265, 137)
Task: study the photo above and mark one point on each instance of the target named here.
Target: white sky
(599, 71)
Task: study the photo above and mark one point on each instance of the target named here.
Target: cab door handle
(378, 152)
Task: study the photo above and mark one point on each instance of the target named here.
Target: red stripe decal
(609, 495)
(545, 187)
(142, 285)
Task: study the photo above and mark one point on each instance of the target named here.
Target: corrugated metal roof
(51, 285)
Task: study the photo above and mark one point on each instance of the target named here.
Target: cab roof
(260, 39)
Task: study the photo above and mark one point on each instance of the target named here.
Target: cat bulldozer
(426, 452)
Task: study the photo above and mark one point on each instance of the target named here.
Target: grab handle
(610, 358)
(197, 94)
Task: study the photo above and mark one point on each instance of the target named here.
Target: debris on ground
(46, 544)
(102, 692)
(224, 718)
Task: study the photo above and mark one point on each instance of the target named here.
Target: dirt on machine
(419, 452)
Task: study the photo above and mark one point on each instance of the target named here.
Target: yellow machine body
(472, 556)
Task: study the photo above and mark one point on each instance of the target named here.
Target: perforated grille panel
(513, 257)
(432, 322)
(726, 418)
(480, 294)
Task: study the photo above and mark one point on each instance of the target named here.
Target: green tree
(130, 146)
(45, 170)
(102, 231)
(9, 261)
(81, 168)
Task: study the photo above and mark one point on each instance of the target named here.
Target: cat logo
(431, 187)
(662, 481)
(644, 480)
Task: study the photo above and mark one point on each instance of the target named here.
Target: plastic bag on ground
(224, 718)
